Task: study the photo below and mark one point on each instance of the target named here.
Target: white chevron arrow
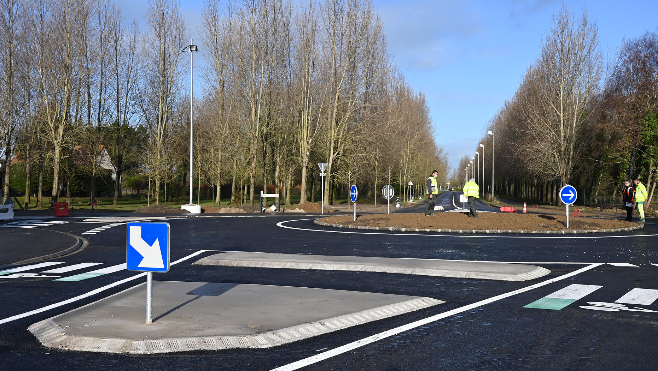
(151, 253)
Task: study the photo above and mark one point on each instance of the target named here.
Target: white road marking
(29, 267)
(527, 236)
(25, 275)
(629, 265)
(574, 292)
(71, 268)
(639, 296)
(90, 293)
(371, 339)
(614, 307)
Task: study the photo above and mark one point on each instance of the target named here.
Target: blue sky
(468, 56)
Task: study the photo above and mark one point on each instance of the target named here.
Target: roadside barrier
(61, 209)
(524, 208)
(576, 213)
(507, 209)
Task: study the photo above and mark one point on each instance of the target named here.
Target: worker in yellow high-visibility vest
(472, 191)
(432, 191)
(640, 197)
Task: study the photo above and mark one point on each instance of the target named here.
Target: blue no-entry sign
(568, 194)
(147, 247)
(354, 193)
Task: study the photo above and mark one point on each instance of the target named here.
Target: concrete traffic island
(191, 316)
(487, 222)
(424, 267)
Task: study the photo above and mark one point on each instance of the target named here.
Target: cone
(524, 208)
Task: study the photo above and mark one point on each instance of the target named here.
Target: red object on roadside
(524, 209)
(576, 213)
(61, 209)
(507, 209)
(536, 207)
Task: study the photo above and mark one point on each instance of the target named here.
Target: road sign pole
(355, 211)
(389, 205)
(149, 292)
(567, 216)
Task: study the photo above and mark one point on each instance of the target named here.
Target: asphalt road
(482, 325)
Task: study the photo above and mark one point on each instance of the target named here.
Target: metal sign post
(568, 195)
(354, 193)
(147, 250)
(323, 167)
(388, 192)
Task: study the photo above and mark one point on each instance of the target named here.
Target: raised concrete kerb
(473, 231)
(424, 267)
(212, 316)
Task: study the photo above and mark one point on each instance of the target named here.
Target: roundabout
(487, 223)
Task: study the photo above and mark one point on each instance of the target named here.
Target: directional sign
(354, 193)
(388, 192)
(568, 194)
(147, 247)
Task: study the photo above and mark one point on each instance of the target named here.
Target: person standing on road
(640, 197)
(432, 191)
(628, 197)
(472, 191)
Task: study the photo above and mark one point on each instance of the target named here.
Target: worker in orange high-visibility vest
(472, 191)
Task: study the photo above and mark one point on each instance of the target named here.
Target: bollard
(524, 208)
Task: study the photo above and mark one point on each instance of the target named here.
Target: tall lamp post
(466, 174)
(482, 145)
(192, 48)
(493, 157)
(478, 172)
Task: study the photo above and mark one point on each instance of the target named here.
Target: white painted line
(71, 268)
(574, 292)
(111, 269)
(624, 265)
(90, 293)
(371, 339)
(639, 296)
(29, 267)
(431, 234)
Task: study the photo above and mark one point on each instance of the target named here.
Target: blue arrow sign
(353, 193)
(147, 247)
(568, 194)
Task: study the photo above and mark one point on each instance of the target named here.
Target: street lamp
(466, 174)
(493, 147)
(482, 145)
(472, 168)
(192, 48)
(478, 172)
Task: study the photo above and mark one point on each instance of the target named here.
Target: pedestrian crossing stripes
(96, 273)
(27, 271)
(572, 293)
(102, 228)
(562, 298)
(29, 224)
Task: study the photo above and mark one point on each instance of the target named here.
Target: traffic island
(190, 316)
(424, 267)
(487, 222)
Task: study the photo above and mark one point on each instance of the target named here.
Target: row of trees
(285, 87)
(568, 123)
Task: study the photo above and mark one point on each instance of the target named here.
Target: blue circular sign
(568, 194)
(353, 193)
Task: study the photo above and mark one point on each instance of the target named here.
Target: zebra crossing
(29, 224)
(58, 273)
(562, 298)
